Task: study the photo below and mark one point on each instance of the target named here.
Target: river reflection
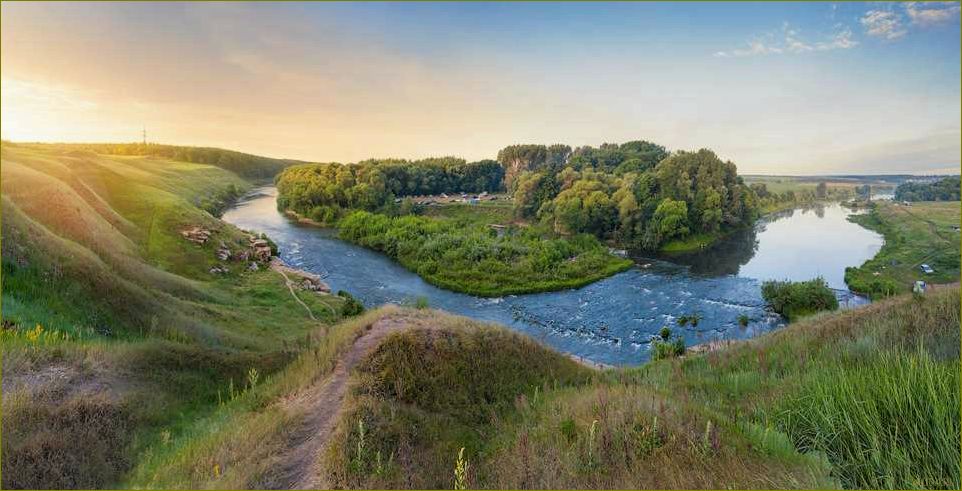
(612, 320)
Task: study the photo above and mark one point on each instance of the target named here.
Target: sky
(777, 88)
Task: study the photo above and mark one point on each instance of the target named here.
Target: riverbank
(915, 234)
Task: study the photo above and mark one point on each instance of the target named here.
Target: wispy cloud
(883, 24)
(931, 13)
(890, 24)
(790, 40)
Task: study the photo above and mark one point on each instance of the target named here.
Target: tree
(821, 190)
(670, 219)
(519, 158)
(532, 189)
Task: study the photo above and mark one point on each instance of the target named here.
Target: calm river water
(610, 321)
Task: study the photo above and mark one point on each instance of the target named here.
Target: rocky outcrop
(223, 252)
(262, 249)
(196, 235)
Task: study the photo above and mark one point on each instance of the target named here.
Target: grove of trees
(946, 189)
(636, 194)
(324, 191)
(620, 192)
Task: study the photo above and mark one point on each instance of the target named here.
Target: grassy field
(916, 234)
(484, 213)
(136, 337)
(781, 184)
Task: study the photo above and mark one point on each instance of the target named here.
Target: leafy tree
(670, 219)
(520, 158)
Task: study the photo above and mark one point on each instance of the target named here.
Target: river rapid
(613, 320)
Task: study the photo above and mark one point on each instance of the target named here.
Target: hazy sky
(788, 88)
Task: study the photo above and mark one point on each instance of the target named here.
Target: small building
(926, 269)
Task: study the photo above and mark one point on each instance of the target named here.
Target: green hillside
(114, 329)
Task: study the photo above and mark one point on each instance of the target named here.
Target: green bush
(795, 299)
(352, 306)
(666, 347)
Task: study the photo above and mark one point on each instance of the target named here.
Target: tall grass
(892, 422)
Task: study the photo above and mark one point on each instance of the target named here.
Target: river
(610, 321)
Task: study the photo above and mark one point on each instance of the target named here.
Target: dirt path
(290, 287)
(323, 403)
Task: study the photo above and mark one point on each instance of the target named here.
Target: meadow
(920, 233)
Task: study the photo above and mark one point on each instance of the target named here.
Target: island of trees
(569, 204)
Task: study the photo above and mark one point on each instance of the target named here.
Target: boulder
(196, 235)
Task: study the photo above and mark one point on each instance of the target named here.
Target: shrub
(800, 298)
(665, 347)
(352, 306)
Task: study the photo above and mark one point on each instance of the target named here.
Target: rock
(219, 270)
(253, 267)
(263, 253)
(196, 235)
(242, 256)
(223, 254)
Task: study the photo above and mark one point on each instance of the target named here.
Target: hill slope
(115, 332)
(812, 405)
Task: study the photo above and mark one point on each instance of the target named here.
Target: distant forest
(942, 190)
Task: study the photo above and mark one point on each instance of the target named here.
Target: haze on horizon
(780, 88)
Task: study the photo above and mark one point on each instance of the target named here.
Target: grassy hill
(243, 164)
(812, 405)
(114, 330)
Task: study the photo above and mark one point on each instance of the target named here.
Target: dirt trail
(323, 403)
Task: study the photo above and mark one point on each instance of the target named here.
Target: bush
(799, 298)
(352, 306)
(666, 347)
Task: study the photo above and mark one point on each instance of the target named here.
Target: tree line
(324, 191)
(946, 189)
